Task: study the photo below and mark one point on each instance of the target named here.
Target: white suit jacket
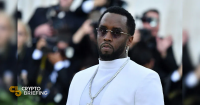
(134, 85)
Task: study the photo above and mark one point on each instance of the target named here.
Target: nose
(108, 36)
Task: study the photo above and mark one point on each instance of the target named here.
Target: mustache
(106, 43)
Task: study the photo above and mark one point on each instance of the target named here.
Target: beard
(114, 55)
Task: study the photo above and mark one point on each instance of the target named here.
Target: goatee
(114, 55)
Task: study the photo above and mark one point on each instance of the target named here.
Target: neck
(112, 64)
(123, 55)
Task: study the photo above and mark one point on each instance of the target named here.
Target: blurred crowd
(56, 43)
(8, 58)
(191, 75)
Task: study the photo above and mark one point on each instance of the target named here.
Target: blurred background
(8, 51)
(45, 42)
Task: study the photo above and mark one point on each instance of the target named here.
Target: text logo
(14, 89)
(33, 90)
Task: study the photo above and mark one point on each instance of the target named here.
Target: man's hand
(41, 43)
(163, 45)
(185, 37)
(86, 28)
(43, 30)
(54, 57)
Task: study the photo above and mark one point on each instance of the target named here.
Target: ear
(130, 40)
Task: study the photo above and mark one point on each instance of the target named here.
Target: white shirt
(105, 71)
(134, 85)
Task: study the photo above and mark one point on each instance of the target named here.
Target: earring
(127, 48)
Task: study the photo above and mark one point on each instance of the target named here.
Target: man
(191, 76)
(116, 80)
(165, 64)
(8, 60)
(52, 71)
(161, 47)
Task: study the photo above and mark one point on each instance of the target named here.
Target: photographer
(86, 45)
(24, 51)
(53, 67)
(191, 76)
(45, 20)
(164, 61)
(8, 51)
(8, 59)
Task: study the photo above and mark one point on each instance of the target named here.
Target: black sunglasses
(116, 33)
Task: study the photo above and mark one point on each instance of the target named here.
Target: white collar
(112, 64)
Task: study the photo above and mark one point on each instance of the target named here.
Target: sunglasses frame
(112, 32)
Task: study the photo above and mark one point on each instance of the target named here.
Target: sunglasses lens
(102, 31)
(116, 33)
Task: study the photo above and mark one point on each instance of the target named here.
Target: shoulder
(142, 72)
(40, 10)
(43, 10)
(148, 85)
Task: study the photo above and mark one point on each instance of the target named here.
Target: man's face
(146, 25)
(111, 47)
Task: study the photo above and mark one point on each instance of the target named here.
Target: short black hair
(130, 20)
(150, 10)
(141, 54)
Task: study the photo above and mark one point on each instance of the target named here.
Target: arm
(169, 61)
(88, 5)
(164, 47)
(85, 29)
(150, 91)
(37, 53)
(37, 19)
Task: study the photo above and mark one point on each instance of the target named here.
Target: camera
(51, 45)
(55, 17)
(147, 38)
(52, 42)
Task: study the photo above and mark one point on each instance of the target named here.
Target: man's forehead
(152, 14)
(111, 20)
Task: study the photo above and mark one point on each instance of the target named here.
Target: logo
(14, 89)
(32, 90)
